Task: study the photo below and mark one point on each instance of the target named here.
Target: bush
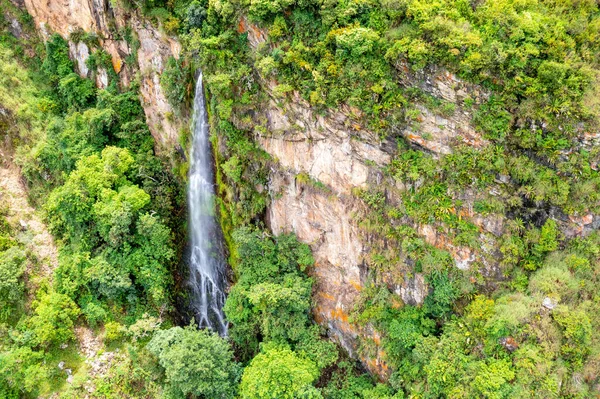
(113, 331)
(196, 362)
(175, 80)
(53, 319)
(277, 372)
(272, 297)
(12, 268)
(577, 334)
(196, 14)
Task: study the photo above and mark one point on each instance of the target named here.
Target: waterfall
(207, 262)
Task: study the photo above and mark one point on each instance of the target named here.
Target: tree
(196, 362)
(114, 212)
(54, 318)
(577, 333)
(492, 379)
(174, 81)
(106, 279)
(150, 256)
(272, 296)
(12, 267)
(70, 207)
(278, 372)
(196, 14)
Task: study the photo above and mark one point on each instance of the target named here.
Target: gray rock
(549, 303)
(15, 28)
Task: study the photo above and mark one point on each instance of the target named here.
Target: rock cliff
(326, 160)
(340, 157)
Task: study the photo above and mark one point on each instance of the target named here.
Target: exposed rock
(80, 53)
(414, 290)
(326, 223)
(441, 83)
(463, 256)
(549, 303)
(256, 35)
(152, 57)
(509, 344)
(63, 16)
(491, 223)
(102, 78)
(320, 146)
(439, 134)
(15, 28)
(22, 215)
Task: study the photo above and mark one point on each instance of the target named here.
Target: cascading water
(207, 263)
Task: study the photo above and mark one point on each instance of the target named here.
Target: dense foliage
(110, 203)
(529, 330)
(196, 362)
(476, 334)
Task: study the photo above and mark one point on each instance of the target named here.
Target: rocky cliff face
(100, 18)
(340, 157)
(325, 160)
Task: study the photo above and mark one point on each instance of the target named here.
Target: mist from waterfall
(207, 262)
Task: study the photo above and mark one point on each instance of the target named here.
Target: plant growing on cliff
(176, 80)
(271, 300)
(12, 269)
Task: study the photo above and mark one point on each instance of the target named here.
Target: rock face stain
(96, 16)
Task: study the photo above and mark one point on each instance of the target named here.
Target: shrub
(577, 333)
(175, 80)
(12, 268)
(196, 362)
(196, 14)
(54, 318)
(277, 372)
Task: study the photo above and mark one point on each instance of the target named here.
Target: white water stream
(207, 263)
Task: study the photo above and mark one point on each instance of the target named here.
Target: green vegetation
(520, 322)
(279, 373)
(271, 298)
(480, 332)
(176, 82)
(196, 363)
(110, 203)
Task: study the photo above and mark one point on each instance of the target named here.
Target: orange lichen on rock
(357, 285)
(117, 64)
(339, 314)
(325, 295)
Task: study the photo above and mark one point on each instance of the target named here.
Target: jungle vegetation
(114, 206)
